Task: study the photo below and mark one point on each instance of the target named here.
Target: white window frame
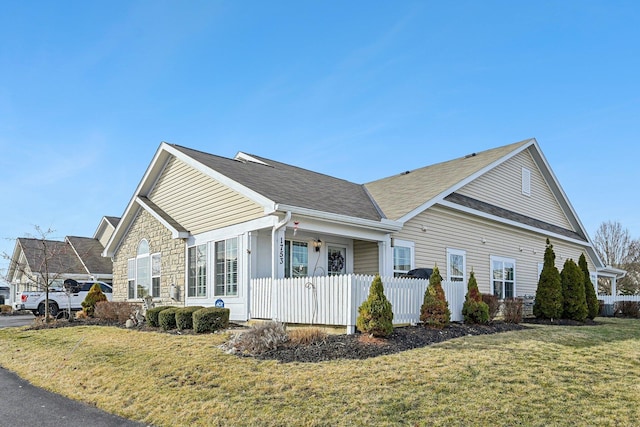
(404, 244)
(526, 182)
(289, 270)
(450, 276)
(131, 278)
(155, 290)
(199, 287)
(226, 274)
(503, 260)
(133, 270)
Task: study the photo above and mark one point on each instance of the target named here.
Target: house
(201, 229)
(36, 261)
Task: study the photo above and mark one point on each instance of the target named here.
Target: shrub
(5, 309)
(153, 313)
(512, 310)
(593, 306)
(114, 311)
(258, 339)
(628, 308)
(94, 296)
(493, 303)
(167, 318)
(574, 300)
(548, 303)
(210, 319)
(306, 336)
(375, 316)
(184, 317)
(435, 308)
(474, 309)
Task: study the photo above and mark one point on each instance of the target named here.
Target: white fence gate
(334, 300)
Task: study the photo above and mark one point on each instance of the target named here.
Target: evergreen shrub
(435, 312)
(167, 318)
(548, 303)
(153, 313)
(94, 296)
(375, 316)
(184, 317)
(210, 319)
(593, 305)
(574, 300)
(474, 310)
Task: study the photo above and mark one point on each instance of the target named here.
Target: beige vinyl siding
(502, 186)
(106, 234)
(446, 228)
(365, 257)
(198, 202)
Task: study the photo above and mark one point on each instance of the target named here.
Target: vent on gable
(526, 182)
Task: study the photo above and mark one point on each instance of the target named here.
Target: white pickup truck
(60, 299)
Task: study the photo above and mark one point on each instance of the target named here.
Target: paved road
(24, 405)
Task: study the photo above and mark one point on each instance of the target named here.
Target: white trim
(384, 225)
(403, 244)
(461, 252)
(237, 229)
(176, 234)
(440, 197)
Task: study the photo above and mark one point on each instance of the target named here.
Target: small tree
(548, 304)
(94, 296)
(574, 300)
(474, 309)
(593, 307)
(435, 308)
(375, 315)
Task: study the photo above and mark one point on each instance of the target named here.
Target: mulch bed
(358, 346)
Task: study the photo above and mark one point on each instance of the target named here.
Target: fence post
(349, 309)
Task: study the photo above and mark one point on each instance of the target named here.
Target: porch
(334, 300)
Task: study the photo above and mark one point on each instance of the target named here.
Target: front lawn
(544, 375)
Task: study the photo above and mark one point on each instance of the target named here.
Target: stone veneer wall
(160, 240)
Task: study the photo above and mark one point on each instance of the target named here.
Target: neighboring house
(76, 258)
(201, 229)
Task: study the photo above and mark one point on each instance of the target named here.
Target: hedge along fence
(167, 318)
(210, 319)
(153, 313)
(184, 317)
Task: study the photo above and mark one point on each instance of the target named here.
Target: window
(402, 257)
(526, 182)
(226, 268)
(197, 260)
(131, 278)
(143, 270)
(456, 265)
(336, 260)
(296, 259)
(503, 274)
(155, 275)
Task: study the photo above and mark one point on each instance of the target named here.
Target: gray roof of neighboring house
(399, 195)
(293, 186)
(58, 256)
(113, 220)
(89, 250)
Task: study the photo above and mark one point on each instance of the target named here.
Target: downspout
(274, 262)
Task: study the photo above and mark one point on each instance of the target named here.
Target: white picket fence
(334, 300)
(612, 299)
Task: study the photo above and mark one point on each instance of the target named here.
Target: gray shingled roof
(90, 250)
(113, 220)
(290, 185)
(59, 256)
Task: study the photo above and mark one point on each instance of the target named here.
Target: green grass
(579, 376)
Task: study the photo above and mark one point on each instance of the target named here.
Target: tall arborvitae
(435, 308)
(574, 301)
(474, 309)
(375, 316)
(593, 306)
(548, 304)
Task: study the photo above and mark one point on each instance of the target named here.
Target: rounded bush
(153, 313)
(210, 319)
(167, 318)
(184, 317)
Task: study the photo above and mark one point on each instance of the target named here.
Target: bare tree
(617, 248)
(45, 264)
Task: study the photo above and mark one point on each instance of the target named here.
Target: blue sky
(355, 89)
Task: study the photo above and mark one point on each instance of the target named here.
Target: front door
(336, 260)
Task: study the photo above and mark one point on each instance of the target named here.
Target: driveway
(17, 320)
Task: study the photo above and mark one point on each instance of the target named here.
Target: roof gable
(50, 256)
(89, 253)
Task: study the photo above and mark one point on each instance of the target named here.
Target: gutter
(274, 263)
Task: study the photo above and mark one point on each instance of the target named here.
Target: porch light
(317, 244)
